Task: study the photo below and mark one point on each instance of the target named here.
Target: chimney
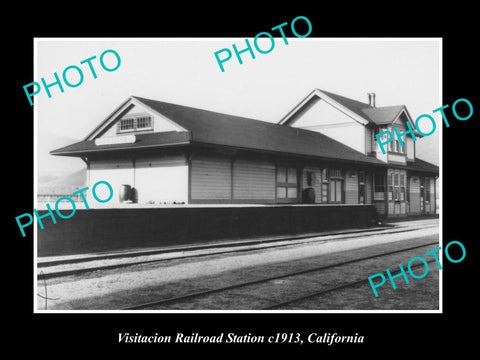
(371, 99)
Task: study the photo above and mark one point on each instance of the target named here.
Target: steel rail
(264, 280)
(290, 242)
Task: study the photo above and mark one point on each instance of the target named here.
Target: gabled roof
(383, 115)
(206, 127)
(358, 110)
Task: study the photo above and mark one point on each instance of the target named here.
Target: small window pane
(335, 173)
(379, 183)
(324, 175)
(281, 175)
(144, 122)
(395, 179)
(339, 191)
(292, 175)
(127, 124)
(292, 193)
(282, 192)
(324, 193)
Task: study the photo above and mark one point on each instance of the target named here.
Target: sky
(185, 71)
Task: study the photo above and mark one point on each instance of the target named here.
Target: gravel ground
(113, 289)
(362, 298)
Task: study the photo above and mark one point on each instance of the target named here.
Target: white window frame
(135, 124)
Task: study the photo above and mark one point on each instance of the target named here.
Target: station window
(379, 183)
(336, 189)
(402, 187)
(390, 186)
(335, 173)
(395, 146)
(127, 125)
(335, 184)
(287, 183)
(396, 186)
(144, 122)
(427, 190)
(407, 189)
(136, 123)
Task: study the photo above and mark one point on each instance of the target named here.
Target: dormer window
(395, 146)
(135, 123)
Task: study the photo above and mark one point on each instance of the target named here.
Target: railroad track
(199, 294)
(229, 248)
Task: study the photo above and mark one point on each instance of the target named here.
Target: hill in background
(65, 184)
(57, 174)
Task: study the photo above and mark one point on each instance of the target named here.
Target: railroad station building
(324, 151)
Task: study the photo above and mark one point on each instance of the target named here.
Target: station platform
(60, 266)
(98, 230)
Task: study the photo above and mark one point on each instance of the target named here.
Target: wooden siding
(210, 178)
(253, 180)
(161, 180)
(116, 173)
(368, 140)
(161, 161)
(351, 187)
(396, 158)
(410, 148)
(317, 181)
(380, 206)
(329, 120)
